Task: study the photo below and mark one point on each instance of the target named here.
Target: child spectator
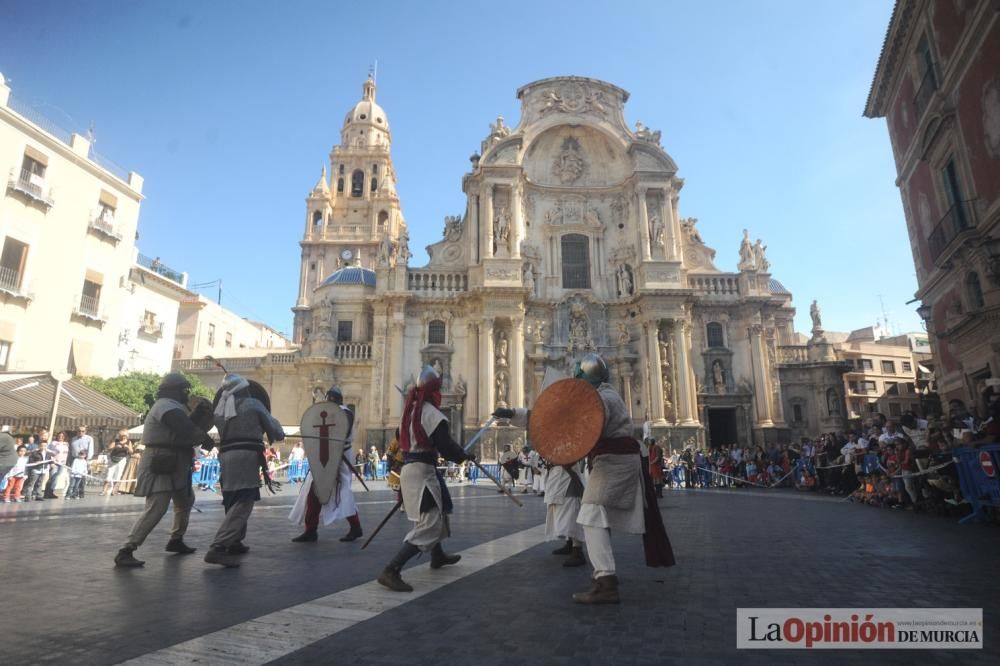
(16, 476)
(78, 479)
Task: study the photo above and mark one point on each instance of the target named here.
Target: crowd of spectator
(905, 464)
(62, 467)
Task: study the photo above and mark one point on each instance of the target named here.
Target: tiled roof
(351, 275)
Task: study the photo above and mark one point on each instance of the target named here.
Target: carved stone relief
(569, 164)
(572, 97)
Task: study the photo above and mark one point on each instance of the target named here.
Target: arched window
(436, 333)
(357, 183)
(974, 291)
(340, 169)
(317, 218)
(383, 217)
(374, 184)
(713, 335)
(575, 262)
(374, 169)
(340, 185)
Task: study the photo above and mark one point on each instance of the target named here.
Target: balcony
(10, 284)
(924, 93)
(151, 329)
(436, 282)
(155, 266)
(31, 186)
(103, 229)
(715, 285)
(793, 354)
(87, 308)
(957, 225)
(353, 351)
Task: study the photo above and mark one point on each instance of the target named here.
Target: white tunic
(340, 505)
(561, 511)
(431, 526)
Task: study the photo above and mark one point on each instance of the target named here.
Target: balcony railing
(152, 329)
(88, 306)
(30, 185)
(959, 219)
(793, 354)
(158, 268)
(715, 285)
(10, 280)
(353, 351)
(436, 282)
(104, 229)
(924, 93)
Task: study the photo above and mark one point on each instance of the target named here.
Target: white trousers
(599, 550)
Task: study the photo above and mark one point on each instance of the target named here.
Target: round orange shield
(566, 421)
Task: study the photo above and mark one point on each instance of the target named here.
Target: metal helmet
(334, 394)
(427, 376)
(593, 369)
(174, 381)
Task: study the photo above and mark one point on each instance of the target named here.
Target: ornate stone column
(685, 385)
(488, 220)
(625, 374)
(517, 362)
(643, 222)
(693, 393)
(761, 385)
(485, 368)
(397, 331)
(654, 370)
(517, 220)
(671, 226)
(472, 370)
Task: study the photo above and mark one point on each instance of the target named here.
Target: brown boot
(604, 591)
(220, 556)
(576, 558)
(391, 579)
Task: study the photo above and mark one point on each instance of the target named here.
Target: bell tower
(353, 216)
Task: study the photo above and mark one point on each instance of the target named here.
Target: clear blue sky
(229, 110)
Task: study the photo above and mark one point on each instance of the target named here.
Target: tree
(137, 390)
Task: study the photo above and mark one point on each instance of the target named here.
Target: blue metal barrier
(869, 464)
(978, 487)
(492, 468)
(206, 474)
(297, 470)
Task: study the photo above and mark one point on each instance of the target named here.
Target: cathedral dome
(351, 275)
(367, 111)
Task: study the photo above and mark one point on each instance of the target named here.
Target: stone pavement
(509, 600)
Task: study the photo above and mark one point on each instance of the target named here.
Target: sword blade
(480, 433)
(378, 529)
(494, 480)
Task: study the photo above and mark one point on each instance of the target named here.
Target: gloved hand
(503, 413)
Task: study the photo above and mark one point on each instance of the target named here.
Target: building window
(907, 366)
(374, 184)
(866, 364)
(797, 413)
(383, 217)
(90, 300)
(713, 334)
(12, 261)
(317, 218)
(894, 409)
(33, 174)
(925, 70)
(229, 340)
(374, 169)
(4, 354)
(888, 367)
(974, 291)
(855, 407)
(872, 407)
(340, 169)
(340, 185)
(345, 331)
(891, 388)
(436, 333)
(357, 183)
(953, 192)
(211, 335)
(868, 387)
(852, 387)
(575, 262)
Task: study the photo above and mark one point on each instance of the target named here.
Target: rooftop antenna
(885, 317)
(373, 71)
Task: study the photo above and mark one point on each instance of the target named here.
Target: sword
(494, 480)
(356, 473)
(399, 503)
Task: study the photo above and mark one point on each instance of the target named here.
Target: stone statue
(625, 286)
(692, 233)
(385, 250)
(832, 402)
(502, 349)
(623, 336)
(436, 364)
(592, 217)
(655, 231)
(498, 131)
(759, 257)
(643, 133)
(814, 313)
(746, 253)
(322, 312)
(539, 330)
(404, 246)
(529, 279)
(460, 386)
(501, 383)
(501, 230)
(718, 377)
(664, 351)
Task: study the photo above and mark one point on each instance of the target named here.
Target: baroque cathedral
(571, 241)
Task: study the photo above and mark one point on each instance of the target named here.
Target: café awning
(27, 400)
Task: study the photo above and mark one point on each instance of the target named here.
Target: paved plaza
(507, 602)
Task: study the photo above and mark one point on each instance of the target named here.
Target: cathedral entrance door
(722, 427)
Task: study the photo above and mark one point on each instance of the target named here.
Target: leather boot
(220, 556)
(575, 558)
(238, 548)
(390, 576)
(309, 536)
(352, 534)
(178, 546)
(603, 591)
(125, 558)
(439, 558)
(564, 549)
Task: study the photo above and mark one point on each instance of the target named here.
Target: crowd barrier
(979, 477)
(206, 472)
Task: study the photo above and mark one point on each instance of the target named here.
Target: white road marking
(277, 634)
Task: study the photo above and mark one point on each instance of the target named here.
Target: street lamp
(924, 312)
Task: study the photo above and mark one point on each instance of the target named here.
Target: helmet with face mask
(593, 369)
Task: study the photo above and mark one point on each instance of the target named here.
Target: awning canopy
(26, 400)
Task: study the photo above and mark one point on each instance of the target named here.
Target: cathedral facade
(571, 241)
